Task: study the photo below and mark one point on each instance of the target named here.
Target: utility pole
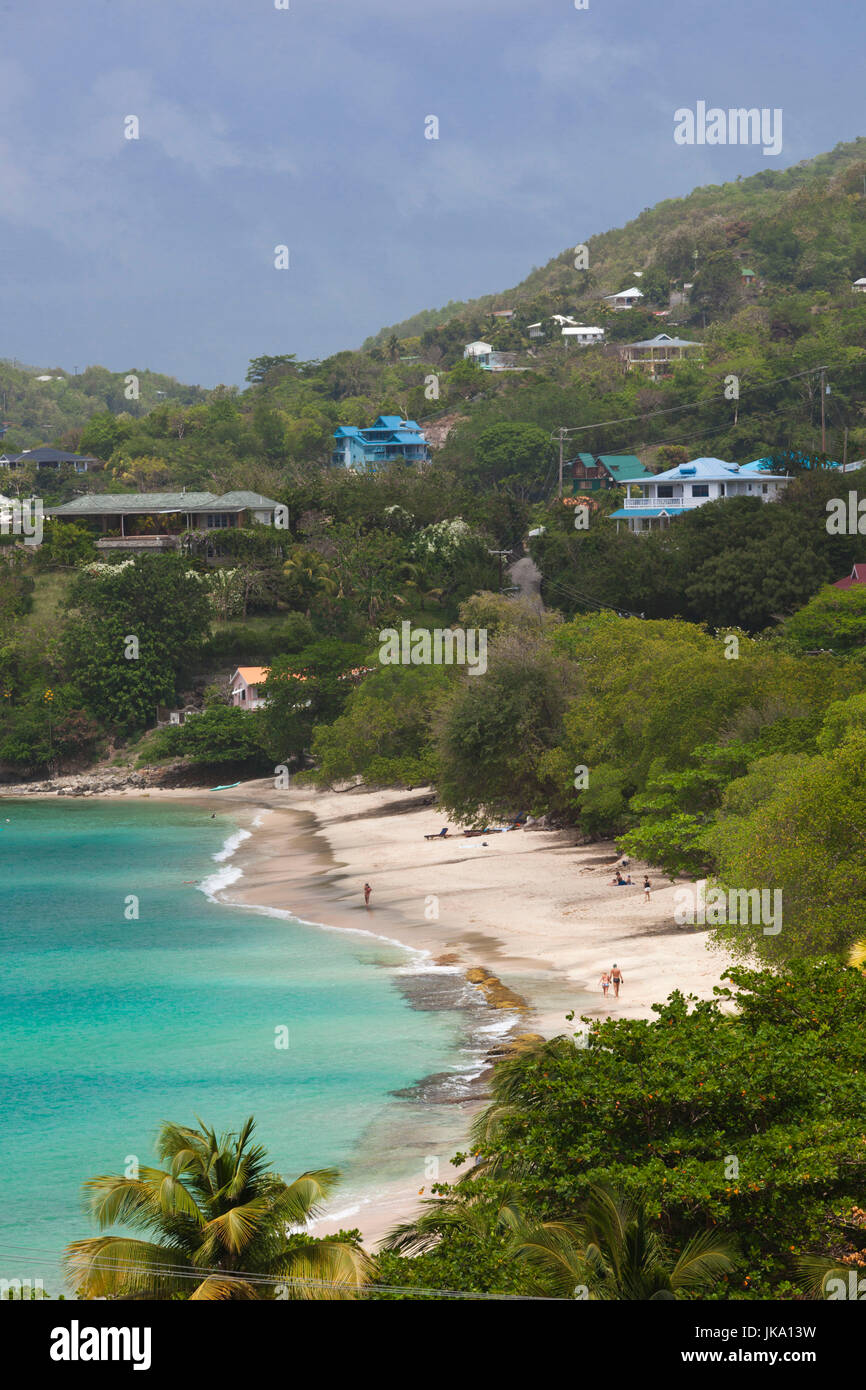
(561, 446)
(845, 450)
(823, 428)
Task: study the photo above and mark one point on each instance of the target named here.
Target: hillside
(651, 240)
(37, 411)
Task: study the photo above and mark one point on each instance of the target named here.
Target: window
(665, 490)
(700, 489)
(765, 487)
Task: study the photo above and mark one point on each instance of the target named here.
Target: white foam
(232, 844)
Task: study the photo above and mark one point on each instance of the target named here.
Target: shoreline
(529, 918)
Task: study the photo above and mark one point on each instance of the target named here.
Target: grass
(49, 599)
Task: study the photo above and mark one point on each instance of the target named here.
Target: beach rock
(495, 993)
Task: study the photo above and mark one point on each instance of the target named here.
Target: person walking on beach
(367, 891)
(605, 982)
(647, 887)
(616, 979)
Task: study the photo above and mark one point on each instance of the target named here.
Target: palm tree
(309, 574)
(465, 1210)
(611, 1253)
(217, 1220)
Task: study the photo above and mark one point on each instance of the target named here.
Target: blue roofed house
(390, 438)
(690, 485)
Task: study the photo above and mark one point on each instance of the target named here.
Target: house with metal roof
(857, 576)
(681, 489)
(656, 356)
(143, 521)
(592, 472)
(48, 457)
(625, 299)
(389, 438)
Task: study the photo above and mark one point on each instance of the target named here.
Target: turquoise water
(111, 1025)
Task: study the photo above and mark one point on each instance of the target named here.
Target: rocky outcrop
(100, 781)
(496, 994)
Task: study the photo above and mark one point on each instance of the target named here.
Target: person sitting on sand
(616, 979)
(605, 982)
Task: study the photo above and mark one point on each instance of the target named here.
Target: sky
(304, 127)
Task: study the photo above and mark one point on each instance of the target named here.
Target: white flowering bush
(444, 540)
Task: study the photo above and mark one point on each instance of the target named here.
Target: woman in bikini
(605, 982)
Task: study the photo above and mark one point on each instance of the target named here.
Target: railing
(635, 503)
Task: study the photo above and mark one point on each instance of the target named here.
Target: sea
(132, 993)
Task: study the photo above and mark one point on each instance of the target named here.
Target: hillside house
(593, 472)
(693, 484)
(536, 330)
(857, 576)
(625, 299)
(244, 687)
(859, 286)
(389, 438)
(582, 334)
(139, 522)
(503, 314)
(656, 356)
(479, 353)
(47, 457)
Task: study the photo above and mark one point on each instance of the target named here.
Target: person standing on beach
(647, 887)
(616, 979)
(605, 982)
(367, 891)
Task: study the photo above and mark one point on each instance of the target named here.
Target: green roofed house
(591, 472)
(143, 521)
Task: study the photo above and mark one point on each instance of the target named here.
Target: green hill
(744, 213)
(56, 410)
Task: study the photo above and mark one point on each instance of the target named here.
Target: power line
(694, 405)
(190, 1272)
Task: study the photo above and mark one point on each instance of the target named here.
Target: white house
(245, 684)
(536, 330)
(859, 286)
(692, 485)
(626, 299)
(583, 335)
(479, 353)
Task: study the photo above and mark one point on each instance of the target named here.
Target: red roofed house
(245, 686)
(857, 576)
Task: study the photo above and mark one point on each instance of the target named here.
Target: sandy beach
(530, 917)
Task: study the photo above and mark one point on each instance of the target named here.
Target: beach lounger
(439, 835)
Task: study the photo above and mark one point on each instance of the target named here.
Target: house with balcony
(667, 495)
(389, 438)
(583, 334)
(657, 356)
(48, 457)
(625, 299)
(595, 472)
(140, 522)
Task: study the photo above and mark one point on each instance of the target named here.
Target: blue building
(390, 438)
